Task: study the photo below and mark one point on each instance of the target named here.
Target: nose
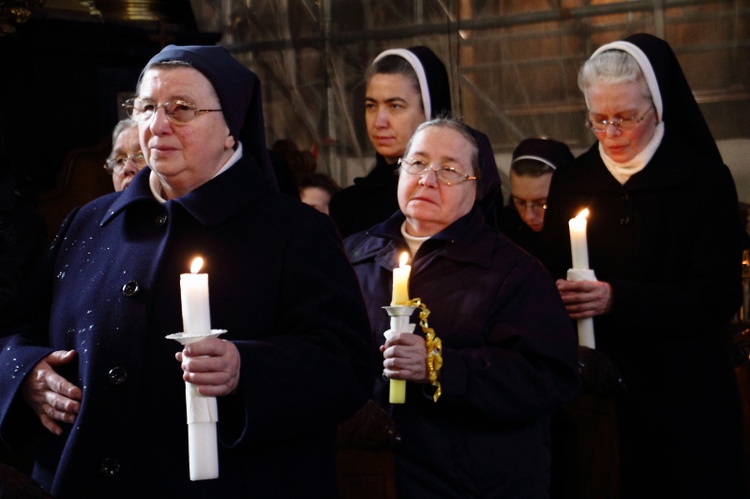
(159, 122)
(428, 178)
(381, 118)
(130, 168)
(612, 130)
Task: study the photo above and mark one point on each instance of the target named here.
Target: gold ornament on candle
(433, 345)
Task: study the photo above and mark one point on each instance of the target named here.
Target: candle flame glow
(195, 267)
(583, 214)
(404, 258)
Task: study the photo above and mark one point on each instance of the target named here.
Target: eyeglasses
(534, 206)
(178, 112)
(622, 124)
(117, 165)
(446, 174)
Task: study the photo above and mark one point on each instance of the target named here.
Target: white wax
(578, 246)
(196, 315)
(203, 451)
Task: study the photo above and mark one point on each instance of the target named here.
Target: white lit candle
(401, 281)
(202, 411)
(196, 314)
(578, 247)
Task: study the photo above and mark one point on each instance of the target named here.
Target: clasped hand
(212, 364)
(405, 357)
(584, 299)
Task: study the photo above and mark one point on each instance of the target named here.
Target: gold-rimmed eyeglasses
(117, 164)
(445, 174)
(178, 112)
(621, 124)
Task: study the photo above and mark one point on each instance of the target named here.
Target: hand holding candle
(400, 315)
(581, 272)
(202, 412)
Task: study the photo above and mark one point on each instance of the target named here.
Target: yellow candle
(578, 246)
(196, 315)
(401, 281)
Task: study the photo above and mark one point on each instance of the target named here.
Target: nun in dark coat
(417, 89)
(508, 348)
(89, 371)
(664, 244)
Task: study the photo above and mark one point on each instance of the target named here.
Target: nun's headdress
(671, 94)
(550, 152)
(432, 76)
(434, 86)
(238, 90)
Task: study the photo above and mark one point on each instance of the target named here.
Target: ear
(229, 142)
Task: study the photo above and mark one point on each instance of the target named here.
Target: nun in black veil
(405, 87)
(665, 246)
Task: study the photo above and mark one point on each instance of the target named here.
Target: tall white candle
(202, 411)
(401, 281)
(578, 246)
(196, 314)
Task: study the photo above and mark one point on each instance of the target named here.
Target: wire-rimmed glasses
(178, 111)
(621, 124)
(117, 164)
(445, 174)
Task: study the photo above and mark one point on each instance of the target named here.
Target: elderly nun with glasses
(89, 371)
(664, 244)
(495, 354)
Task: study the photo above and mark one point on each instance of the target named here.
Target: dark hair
(530, 168)
(394, 65)
(321, 181)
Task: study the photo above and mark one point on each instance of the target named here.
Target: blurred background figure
(126, 158)
(316, 190)
(534, 161)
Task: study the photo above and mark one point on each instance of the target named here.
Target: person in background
(475, 422)
(126, 158)
(89, 372)
(405, 87)
(664, 243)
(316, 190)
(533, 162)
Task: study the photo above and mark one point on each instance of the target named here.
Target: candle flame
(404, 258)
(195, 267)
(583, 214)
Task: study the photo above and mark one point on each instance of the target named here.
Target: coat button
(109, 467)
(160, 220)
(130, 288)
(117, 376)
(625, 220)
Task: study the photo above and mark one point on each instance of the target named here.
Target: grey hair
(457, 126)
(121, 126)
(612, 66)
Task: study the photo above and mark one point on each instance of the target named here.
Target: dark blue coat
(509, 355)
(280, 284)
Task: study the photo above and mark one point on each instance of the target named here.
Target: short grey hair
(609, 67)
(457, 126)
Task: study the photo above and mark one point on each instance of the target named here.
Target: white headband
(537, 158)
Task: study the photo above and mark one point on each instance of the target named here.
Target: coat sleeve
(526, 366)
(315, 370)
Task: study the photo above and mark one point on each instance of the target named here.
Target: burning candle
(401, 281)
(202, 411)
(196, 314)
(578, 247)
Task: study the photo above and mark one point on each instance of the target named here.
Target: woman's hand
(213, 365)
(584, 299)
(50, 396)
(405, 357)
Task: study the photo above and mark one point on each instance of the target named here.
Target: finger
(61, 357)
(50, 424)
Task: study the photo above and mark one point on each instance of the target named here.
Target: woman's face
(428, 204)
(608, 101)
(183, 156)
(393, 110)
(127, 146)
